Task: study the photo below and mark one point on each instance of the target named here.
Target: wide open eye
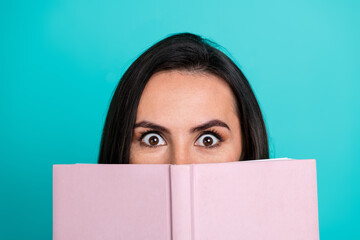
(153, 140)
(207, 140)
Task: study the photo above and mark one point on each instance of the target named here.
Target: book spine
(181, 202)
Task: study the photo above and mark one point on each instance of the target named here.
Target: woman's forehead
(185, 96)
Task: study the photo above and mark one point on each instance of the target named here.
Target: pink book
(263, 199)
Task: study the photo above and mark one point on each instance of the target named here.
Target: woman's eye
(153, 140)
(207, 140)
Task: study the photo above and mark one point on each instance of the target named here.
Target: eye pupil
(207, 141)
(153, 140)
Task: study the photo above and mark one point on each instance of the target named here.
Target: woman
(183, 101)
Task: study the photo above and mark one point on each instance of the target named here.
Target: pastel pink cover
(273, 199)
(101, 201)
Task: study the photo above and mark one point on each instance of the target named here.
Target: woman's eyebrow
(147, 124)
(209, 124)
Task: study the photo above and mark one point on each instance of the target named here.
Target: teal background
(61, 61)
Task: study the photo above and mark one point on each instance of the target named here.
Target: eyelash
(211, 131)
(143, 134)
(214, 133)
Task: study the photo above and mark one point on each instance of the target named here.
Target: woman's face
(185, 118)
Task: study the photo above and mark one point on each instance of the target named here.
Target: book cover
(259, 199)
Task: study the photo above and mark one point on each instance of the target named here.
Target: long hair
(184, 51)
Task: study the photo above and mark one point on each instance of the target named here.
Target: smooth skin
(184, 118)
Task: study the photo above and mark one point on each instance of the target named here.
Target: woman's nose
(181, 154)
